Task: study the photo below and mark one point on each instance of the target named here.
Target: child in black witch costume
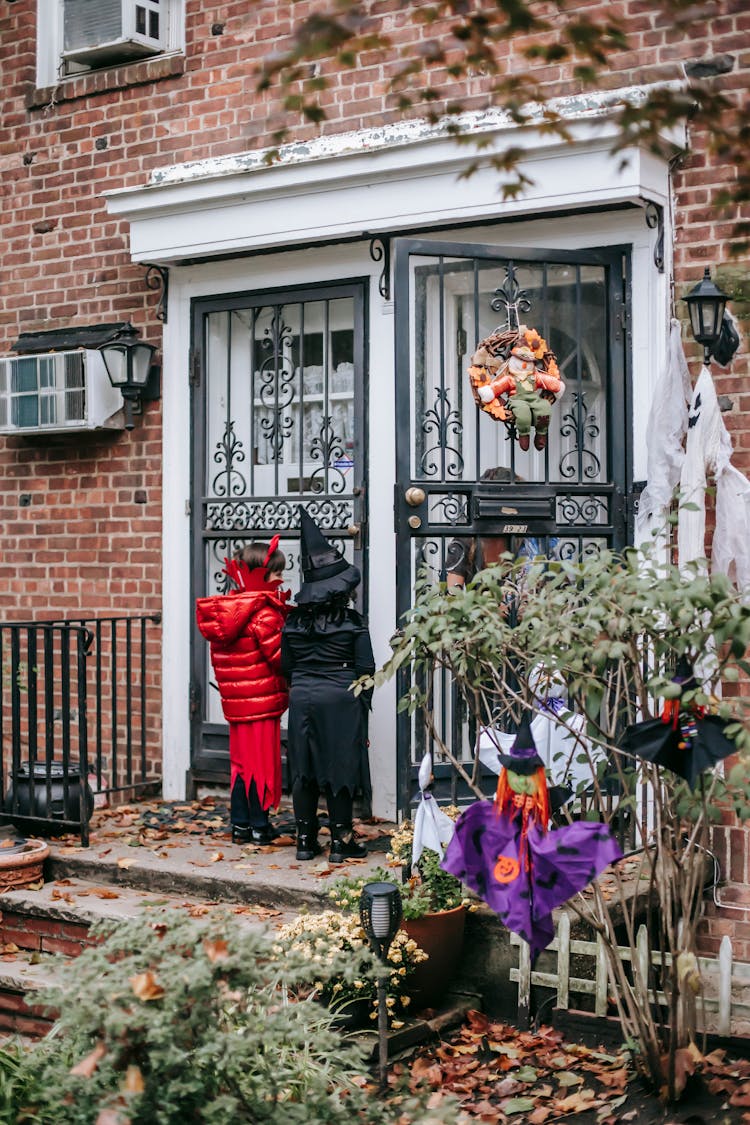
(325, 647)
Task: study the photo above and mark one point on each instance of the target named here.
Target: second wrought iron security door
(279, 416)
(448, 297)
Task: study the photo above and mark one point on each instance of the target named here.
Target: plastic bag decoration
(684, 738)
(515, 379)
(505, 851)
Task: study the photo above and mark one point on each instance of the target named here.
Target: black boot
(307, 840)
(241, 833)
(343, 845)
(264, 834)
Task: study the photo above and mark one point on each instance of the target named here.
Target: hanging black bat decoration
(684, 739)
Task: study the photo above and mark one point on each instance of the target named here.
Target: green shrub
(178, 1020)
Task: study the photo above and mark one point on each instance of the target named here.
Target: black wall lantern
(706, 304)
(380, 914)
(128, 363)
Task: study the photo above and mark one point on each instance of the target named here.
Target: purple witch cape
(524, 889)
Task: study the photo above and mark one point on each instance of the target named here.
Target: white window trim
(49, 40)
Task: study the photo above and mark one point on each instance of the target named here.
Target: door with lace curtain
(278, 415)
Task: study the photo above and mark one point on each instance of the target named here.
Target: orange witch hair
(506, 800)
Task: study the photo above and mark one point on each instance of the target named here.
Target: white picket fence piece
(723, 1006)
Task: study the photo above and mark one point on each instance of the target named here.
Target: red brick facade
(78, 537)
(83, 542)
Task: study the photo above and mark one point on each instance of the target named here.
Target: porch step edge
(209, 888)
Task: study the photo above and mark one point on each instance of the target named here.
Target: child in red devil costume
(243, 628)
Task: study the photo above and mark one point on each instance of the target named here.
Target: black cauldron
(20, 782)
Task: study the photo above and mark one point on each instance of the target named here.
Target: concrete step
(153, 848)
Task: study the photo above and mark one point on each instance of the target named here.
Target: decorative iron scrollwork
(581, 424)
(266, 516)
(442, 422)
(229, 481)
(327, 448)
(157, 278)
(655, 221)
(512, 298)
(380, 251)
(276, 390)
(452, 509)
(585, 510)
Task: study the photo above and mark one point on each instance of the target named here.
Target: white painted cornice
(395, 177)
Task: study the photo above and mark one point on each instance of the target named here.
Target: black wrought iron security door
(279, 413)
(461, 476)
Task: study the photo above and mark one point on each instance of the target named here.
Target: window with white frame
(77, 36)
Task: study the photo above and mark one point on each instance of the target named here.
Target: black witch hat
(523, 757)
(325, 571)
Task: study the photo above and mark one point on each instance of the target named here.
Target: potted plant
(434, 912)
(321, 939)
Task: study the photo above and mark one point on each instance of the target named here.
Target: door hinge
(195, 367)
(195, 697)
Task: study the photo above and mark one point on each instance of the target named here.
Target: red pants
(255, 755)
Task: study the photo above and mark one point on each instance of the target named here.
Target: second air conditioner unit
(104, 32)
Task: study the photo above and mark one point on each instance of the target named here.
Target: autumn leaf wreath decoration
(515, 379)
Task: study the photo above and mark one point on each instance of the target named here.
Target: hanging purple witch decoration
(505, 851)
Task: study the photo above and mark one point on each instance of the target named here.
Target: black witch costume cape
(325, 647)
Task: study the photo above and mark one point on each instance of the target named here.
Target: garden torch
(380, 914)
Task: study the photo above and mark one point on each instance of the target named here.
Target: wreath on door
(515, 379)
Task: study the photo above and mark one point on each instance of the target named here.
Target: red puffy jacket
(244, 631)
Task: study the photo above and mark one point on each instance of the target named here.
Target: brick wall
(83, 543)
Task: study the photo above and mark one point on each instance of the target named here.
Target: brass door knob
(354, 529)
(415, 496)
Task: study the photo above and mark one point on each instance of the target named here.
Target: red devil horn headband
(272, 547)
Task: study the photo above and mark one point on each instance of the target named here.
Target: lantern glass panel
(140, 363)
(116, 361)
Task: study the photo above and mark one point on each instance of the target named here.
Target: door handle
(354, 530)
(415, 496)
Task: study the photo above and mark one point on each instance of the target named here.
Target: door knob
(415, 496)
(354, 529)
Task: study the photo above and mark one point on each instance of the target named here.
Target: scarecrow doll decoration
(515, 379)
(505, 851)
(685, 738)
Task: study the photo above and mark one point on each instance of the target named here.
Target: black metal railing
(77, 719)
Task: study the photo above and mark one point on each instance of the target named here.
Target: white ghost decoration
(432, 828)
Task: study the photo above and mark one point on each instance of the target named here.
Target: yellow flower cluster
(321, 938)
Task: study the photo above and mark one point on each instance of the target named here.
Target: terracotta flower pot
(21, 864)
(441, 936)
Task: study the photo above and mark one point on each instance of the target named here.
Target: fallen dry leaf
(86, 1067)
(103, 892)
(217, 856)
(216, 950)
(146, 986)
(125, 863)
(134, 1083)
(111, 1116)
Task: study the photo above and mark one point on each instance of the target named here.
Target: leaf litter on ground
(501, 1074)
(505, 1075)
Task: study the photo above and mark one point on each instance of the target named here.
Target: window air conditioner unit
(57, 392)
(100, 32)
